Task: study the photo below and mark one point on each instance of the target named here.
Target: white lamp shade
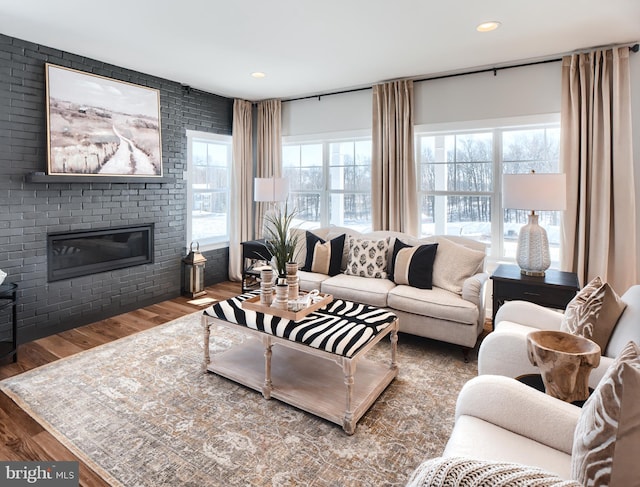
(534, 191)
(270, 189)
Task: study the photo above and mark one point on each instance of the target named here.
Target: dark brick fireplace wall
(28, 211)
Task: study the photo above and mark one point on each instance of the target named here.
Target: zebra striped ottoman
(295, 361)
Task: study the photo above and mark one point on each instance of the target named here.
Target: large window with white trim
(330, 180)
(209, 180)
(460, 178)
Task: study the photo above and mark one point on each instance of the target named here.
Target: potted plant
(278, 238)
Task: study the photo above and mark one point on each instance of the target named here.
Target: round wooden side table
(565, 362)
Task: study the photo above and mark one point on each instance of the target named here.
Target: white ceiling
(310, 47)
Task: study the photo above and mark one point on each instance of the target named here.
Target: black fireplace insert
(74, 254)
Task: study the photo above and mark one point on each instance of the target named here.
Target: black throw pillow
(324, 257)
(413, 266)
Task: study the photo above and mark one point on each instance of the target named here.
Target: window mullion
(497, 230)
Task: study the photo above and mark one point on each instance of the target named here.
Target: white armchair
(504, 352)
(505, 433)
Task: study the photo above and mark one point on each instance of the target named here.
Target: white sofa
(504, 352)
(433, 313)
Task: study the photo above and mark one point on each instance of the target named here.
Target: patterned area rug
(140, 411)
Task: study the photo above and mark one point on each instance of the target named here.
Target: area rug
(141, 412)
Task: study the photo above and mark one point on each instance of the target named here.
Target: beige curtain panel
(599, 225)
(393, 173)
(269, 150)
(241, 211)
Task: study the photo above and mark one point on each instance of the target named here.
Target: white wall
(513, 92)
(333, 113)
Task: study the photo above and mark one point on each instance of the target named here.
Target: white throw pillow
(454, 264)
(367, 258)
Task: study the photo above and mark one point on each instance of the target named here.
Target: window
(209, 180)
(330, 181)
(460, 177)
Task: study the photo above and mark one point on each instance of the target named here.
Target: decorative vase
(282, 296)
(266, 286)
(293, 280)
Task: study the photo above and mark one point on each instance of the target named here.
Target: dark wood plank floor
(21, 437)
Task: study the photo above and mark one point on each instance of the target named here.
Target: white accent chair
(501, 419)
(504, 351)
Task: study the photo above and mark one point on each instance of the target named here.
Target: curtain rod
(632, 48)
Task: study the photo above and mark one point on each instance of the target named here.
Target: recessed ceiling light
(258, 74)
(488, 26)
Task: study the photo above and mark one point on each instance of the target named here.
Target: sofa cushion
(608, 432)
(454, 264)
(323, 257)
(358, 289)
(450, 471)
(435, 302)
(367, 257)
(412, 265)
(593, 312)
(308, 281)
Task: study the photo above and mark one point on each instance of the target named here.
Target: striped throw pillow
(593, 312)
(324, 257)
(606, 439)
(413, 266)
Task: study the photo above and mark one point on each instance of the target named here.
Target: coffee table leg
(348, 368)
(268, 385)
(207, 333)
(394, 346)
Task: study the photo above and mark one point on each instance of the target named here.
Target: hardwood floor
(21, 437)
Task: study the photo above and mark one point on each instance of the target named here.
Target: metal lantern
(193, 277)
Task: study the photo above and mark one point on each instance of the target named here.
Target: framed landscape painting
(100, 126)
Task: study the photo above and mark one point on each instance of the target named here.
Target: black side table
(252, 251)
(553, 290)
(9, 346)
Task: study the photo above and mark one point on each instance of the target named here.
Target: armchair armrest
(529, 314)
(520, 409)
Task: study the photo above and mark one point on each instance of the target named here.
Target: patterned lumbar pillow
(412, 266)
(367, 258)
(593, 312)
(607, 435)
(454, 264)
(468, 472)
(323, 257)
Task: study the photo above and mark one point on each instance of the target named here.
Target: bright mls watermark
(49, 474)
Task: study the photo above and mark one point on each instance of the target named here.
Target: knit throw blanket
(458, 471)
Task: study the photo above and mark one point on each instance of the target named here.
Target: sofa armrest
(472, 288)
(520, 409)
(529, 314)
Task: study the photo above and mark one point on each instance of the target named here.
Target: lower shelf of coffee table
(308, 382)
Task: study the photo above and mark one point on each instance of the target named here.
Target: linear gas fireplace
(73, 254)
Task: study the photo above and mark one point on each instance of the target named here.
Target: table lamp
(534, 192)
(271, 191)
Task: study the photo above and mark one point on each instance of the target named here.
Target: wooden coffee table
(339, 387)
